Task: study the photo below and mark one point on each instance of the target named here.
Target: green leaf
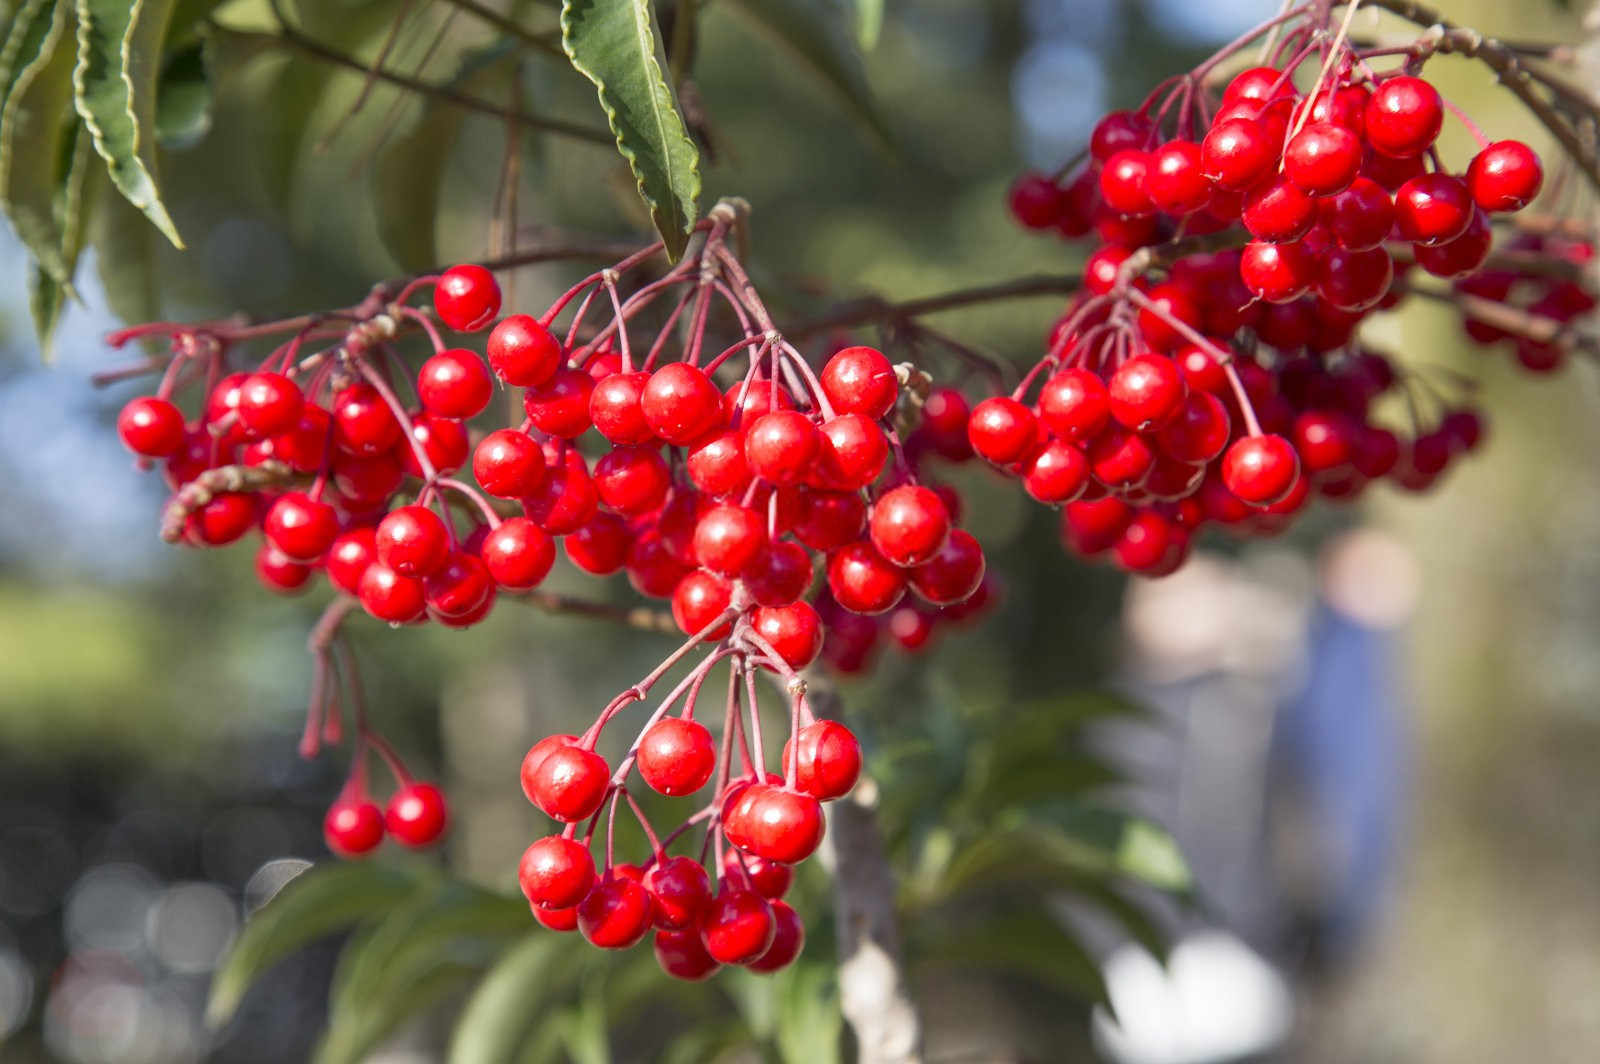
(119, 59)
(505, 1006)
(407, 177)
(183, 98)
(125, 252)
(420, 951)
(815, 35)
(36, 133)
(47, 297)
(296, 89)
(615, 44)
(1024, 941)
(316, 903)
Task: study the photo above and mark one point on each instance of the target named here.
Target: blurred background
(1373, 739)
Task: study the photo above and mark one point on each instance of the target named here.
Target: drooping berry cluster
(1209, 372)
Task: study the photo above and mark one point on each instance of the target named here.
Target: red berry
(1058, 474)
(716, 464)
(782, 446)
(1505, 176)
(776, 823)
(1361, 216)
(698, 600)
(1145, 391)
(269, 403)
(567, 499)
(632, 480)
(560, 406)
(1277, 273)
(771, 879)
(1036, 201)
(614, 408)
(616, 913)
(794, 631)
(300, 526)
(1145, 542)
(1278, 210)
(1120, 459)
(391, 596)
(676, 756)
(347, 559)
(522, 352)
(222, 409)
(367, 482)
(1124, 182)
(454, 383)
(535, 757)
(1323, 158)
(1074, 404)
(1117, 131)
(413, 541)
(1433, 208)
(466, 297)
(682, 955)
(681, 404)
(1091, 526)
(509, 464)
(909, 524)
(1404, 116)
(945, 414)
(556, 872)
(862, 580)
(1355, 280)
(151, 427)
(737, 926)
(827, 760)
(1166, 303)
(1260, 469)
(601, 546)
(788, 939)
(1103, 268)
(556, 919)
(954, 573)
(1002, 430)
(854, 451)
(653, 569)
(353, 827)
(280, 573)
(443, 440)
(1200, 429)
(781, 573)
(681, 890)
(859, 380)
(1175, 182)
(570, 783)
(363, 424)
(519, 554)
(1459, 257)
(830, 519)
(728, 538)
(459, 588)
(1236, 154)
(223, 520)
(416, 815)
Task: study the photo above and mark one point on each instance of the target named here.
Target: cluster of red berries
(415, 816)
(1187, 385)
(1555, 299)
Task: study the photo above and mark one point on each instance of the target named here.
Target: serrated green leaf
(119, 60)
(315, 904)
(816, 36)
(616, 45)
(48, 297)
(506, 1004)
(36, 133)
(183, 98)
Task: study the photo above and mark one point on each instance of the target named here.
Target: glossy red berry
(1117, 131)
(1505, 176)
(416, 815)
(556, 872)
(269, 403)
(1199, 431)
(698, 600)
(1404, 116)
(728, 538)
(1036, 201)
(443, 440)
(1002, 430)
(854, 451)
(737, 926)
(776, 823)
(716, 464)
(363, 424)
(348, 557)
(632, 480)
(519, 554)
(1176, 182)
(353, 827)
(782, 446)
(681, 890)
(1433, 208)
(859, 380)
(277, 572)
(781, 573)
(413, 541)
(827, 760)
(614, 408)
(1236, 154)
(680, 403)
(1074, 404)
(300, 526)
(616, 913)
(1323, 158)
(1277, 273)
(460, 587)
(1124, 182)
(1146, 391)
(1260, 469)
(567, 499)
(466, 297)
(509, 464)
(1462, 256)
(560, 406)
(954, 573)
(151, 427)
(683, 955)
(1278, 210)
(794, 631)
(864, 581)
(570, 783)
(1361, 216)
(788, 939)
(221, 521)
(676, 756)
(909, 524)
(522, 352)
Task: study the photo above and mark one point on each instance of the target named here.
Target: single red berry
(1278, 210)
(601, 546)
(416, 815)
(1176, 181)
(945, 414)
(682, 955)
(535, 757)
(460, 587)
(1462, 256)
(828, 520)
(1121, 459)
(781, 573)
(269, 403)
(653, 568)
(1145, 542)
(1058, 474)
(862, 580)
(1124, 182)
(853, 453)
(300, 526)
(222, 409)
(632, 480)
(1277, 273)
(614, 408)
(1200, 429)
(681, 404)
(522, 352)
(1146, 391)
(221, 521)
(1404, 116)
(280, 573)
(776, 823)
(443, 440)
(827, 760)
(788, 939)
(954, 573)
(1505, 176)
(347, 559)
(742, 403)
(1323, 158)
(1103, 268)
(1074, 404)
(1258, 83)
(413, 541)
(1355, 280)
(519, 554)
(859, 380)
(1433, 209)
(466, 297)
(570, 783)
(616, 913)
(1166, 306)
(151, 427)
(676, 756)
(1091, 526)
(1036, 201)
(737, 926)
(556, 872)
(353, 827)
(1236, 154)
(1361, 216)
(728, 538)
(794, 631)
(363, 424)
(560, 406)
(391, 596)
(909, 524)
(681, 890)
(1117, 131)
(716, 464)
(771, 879)
(556, 919)
(1003, 430)
(367, 482)
(567, 499)
(509, 464)
(782, 446)
(1260, 469)
(698, 600)
(454, 383)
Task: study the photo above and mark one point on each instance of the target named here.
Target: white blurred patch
(190, 926)
(1372, 578)
(1059, 91)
